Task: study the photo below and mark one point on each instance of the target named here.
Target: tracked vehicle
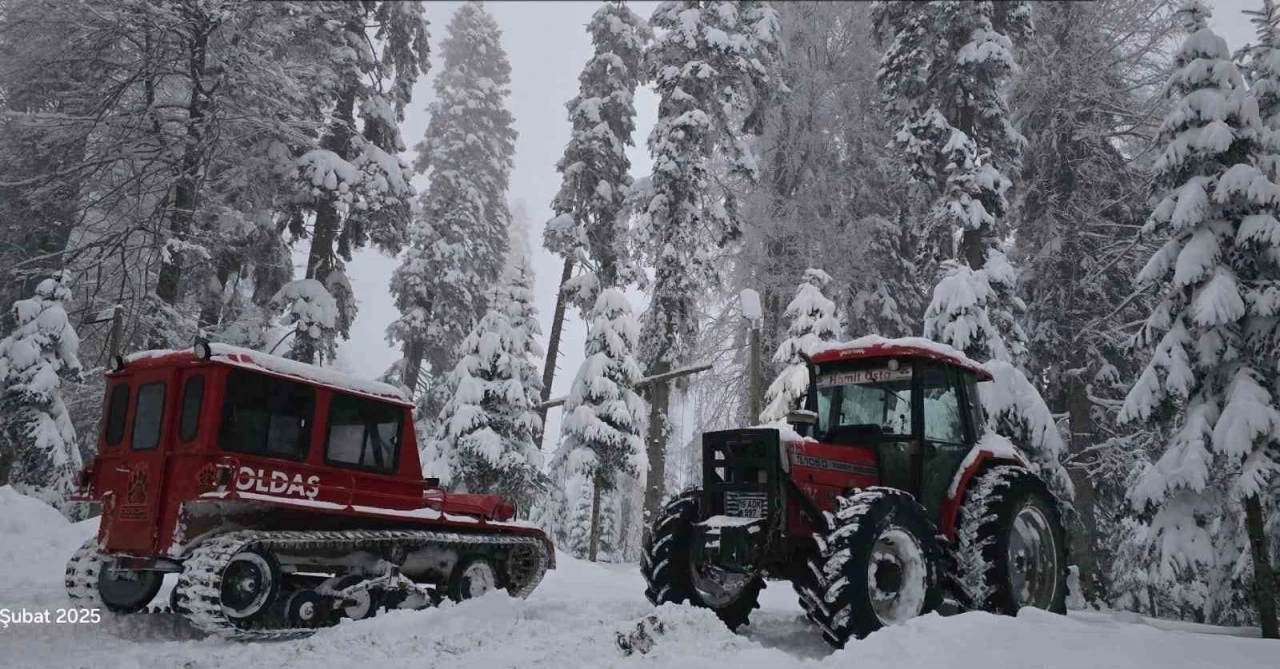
(284, 496)
(884, 497)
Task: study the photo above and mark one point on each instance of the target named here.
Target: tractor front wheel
(878, 566)
(672, 575)
(1010, 544)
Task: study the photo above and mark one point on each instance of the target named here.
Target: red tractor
(887, 495)
(284, 496)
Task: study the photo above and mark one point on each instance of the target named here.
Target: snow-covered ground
(571, 621)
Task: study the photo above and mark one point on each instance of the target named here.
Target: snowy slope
(570, 621)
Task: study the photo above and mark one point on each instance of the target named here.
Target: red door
(133, 476)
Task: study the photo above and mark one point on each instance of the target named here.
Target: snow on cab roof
(259, 361)
(875, 346)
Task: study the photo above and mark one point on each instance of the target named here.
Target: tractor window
(942, 418)
(975, 404)
(192, 396)
(148, 416)
(875, 401)
(117, 408)
(363, 433)
(265, 415)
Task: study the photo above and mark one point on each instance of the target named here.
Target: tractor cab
(914, 408)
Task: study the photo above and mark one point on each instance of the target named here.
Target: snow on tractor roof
(875, 346)
(273, 364)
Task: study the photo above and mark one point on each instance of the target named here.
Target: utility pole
(751, 314)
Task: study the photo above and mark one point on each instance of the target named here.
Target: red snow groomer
(284, 495)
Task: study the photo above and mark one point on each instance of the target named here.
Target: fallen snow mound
(573, 620)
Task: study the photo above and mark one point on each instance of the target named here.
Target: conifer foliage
(1213, 333)
(489, 434)
(604, 418)
(458, 241)
(587, 228)
(813, 321)
(39, 355)
(710, 63)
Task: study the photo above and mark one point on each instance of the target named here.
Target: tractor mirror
(803, 420)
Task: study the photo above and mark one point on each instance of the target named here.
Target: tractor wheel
(670, 574)
(878, 566)
(1011, 548)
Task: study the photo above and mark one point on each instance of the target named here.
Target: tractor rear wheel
(878, 566)
(1010, 544)
(671, 575)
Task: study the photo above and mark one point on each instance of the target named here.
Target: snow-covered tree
(1084, 103)
(577, 535)
(813, 322)
(603, 416)
(457, 242)
(37, 439)
(710, 62)
(488, 433)
(587, 229)
(354, 185)
(1213, 334)
(943, 75)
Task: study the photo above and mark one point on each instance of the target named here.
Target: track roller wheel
(473, 576)
(307, 608)
(250, 584)
(359, 604)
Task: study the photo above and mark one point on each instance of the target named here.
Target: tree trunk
(593, 545)
(655, 480)
(184, 192)
(1079, 410)
(1264, 580)
(973, 249)
(413, 352)
(553, 343)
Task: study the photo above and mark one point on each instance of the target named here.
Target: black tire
(129, 593)
(667, 568)
(873, 530)
(985, 528)
(461, 587)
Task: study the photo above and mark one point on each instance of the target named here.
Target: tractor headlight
(203, 350)
(117, 363)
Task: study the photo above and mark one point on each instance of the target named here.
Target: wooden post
(115, 339)
(753, 376)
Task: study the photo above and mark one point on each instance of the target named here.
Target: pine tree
(458, 241)
(36, 359)
(357, 188)
(1077, 216)
(711, 68)
(813, 321)
(588, 230)
(577, 539)
(1213, 334)
(943, 75)
(488, 435)
(603, 416)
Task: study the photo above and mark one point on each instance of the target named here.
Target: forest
(1081, 195)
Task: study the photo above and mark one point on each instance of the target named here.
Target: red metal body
(150, 496)
(823, 471)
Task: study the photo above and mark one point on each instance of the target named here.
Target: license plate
(745, 504)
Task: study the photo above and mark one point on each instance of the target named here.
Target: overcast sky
(548, 45)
